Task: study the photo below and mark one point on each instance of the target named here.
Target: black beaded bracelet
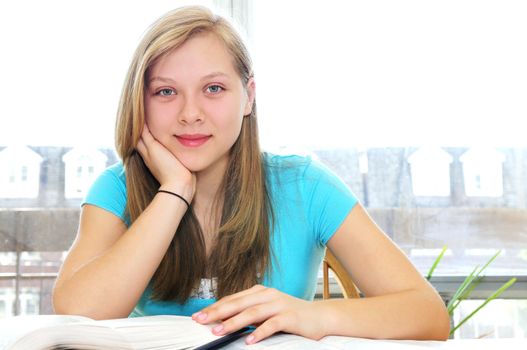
(177, 195)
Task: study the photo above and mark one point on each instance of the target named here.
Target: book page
(294, 342)
(282, 341)
(14, 328)
(141, 333)
(345, 343)
(160, 332)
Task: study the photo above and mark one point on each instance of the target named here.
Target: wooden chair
(348, 288)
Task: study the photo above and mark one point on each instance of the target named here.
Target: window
(12, 176)
(30, 258)
(430, 172)
(6, 302)
(482, 172)
(428, 97)
(29, 301)
(2, 309)
(82, 165)
(499, 319)
(401, 88)
(21, 172)
(23, 176)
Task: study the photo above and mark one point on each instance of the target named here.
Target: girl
(196, 220)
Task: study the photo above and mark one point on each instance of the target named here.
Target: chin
(194, 166)
(193, 162)
(198, 164)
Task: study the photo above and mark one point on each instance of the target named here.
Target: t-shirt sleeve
(108, 192)
(329, 200)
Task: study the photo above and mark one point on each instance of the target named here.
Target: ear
(251, 92)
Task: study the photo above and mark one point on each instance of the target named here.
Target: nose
(190, 112)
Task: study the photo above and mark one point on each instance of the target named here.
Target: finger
(253, 289)
(254, 315)
(268, 328)
(228, 298)
(226, 308)
(146, 135)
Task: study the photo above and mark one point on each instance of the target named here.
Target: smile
(195, 140)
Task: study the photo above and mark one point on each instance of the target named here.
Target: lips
(193, 140)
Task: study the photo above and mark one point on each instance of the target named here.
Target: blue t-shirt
(309, 205)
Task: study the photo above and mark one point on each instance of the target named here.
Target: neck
(208, 182)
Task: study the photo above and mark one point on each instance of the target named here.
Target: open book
(53, 332)
(283, 341)
(77, 332)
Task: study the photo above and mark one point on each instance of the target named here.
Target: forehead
(200, 55)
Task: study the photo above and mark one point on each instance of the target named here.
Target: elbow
(438, 324)
(440, 329)
(65, 304)
(61, 307)
(443, 326)
(432, 321)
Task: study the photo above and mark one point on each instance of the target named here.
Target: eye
(214, 89)
(166, 92)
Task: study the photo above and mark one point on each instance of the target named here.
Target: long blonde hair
(241, 251)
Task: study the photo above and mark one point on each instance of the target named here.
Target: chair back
(348, 288)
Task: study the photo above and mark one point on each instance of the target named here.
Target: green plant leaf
(494, 295)
(461, 289)
(490, 261)
(436, 262)
(468, 285)
(465, 290)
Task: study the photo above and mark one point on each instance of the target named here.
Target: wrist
(180, 188)
(326, 316)
(176, 195)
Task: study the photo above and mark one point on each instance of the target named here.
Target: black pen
(218, 343)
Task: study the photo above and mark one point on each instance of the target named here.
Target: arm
(108, 266)
(399, 303)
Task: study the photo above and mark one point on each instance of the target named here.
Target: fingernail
(196, 314)
(250, 339)
(218, 329)
(202, 316)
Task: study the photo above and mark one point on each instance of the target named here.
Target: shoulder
(276, 164)
(116, 171)
(113, 176)
(304, 184)
(108, 191)
(296, 167)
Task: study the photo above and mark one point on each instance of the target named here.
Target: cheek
(155, 118)
(148, 111)
(158, 129)
(229, 114)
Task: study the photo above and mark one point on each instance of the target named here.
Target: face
(195, 102)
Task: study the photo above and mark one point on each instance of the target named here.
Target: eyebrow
(214, 75)
(172, 81)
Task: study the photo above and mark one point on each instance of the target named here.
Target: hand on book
(269, 310)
